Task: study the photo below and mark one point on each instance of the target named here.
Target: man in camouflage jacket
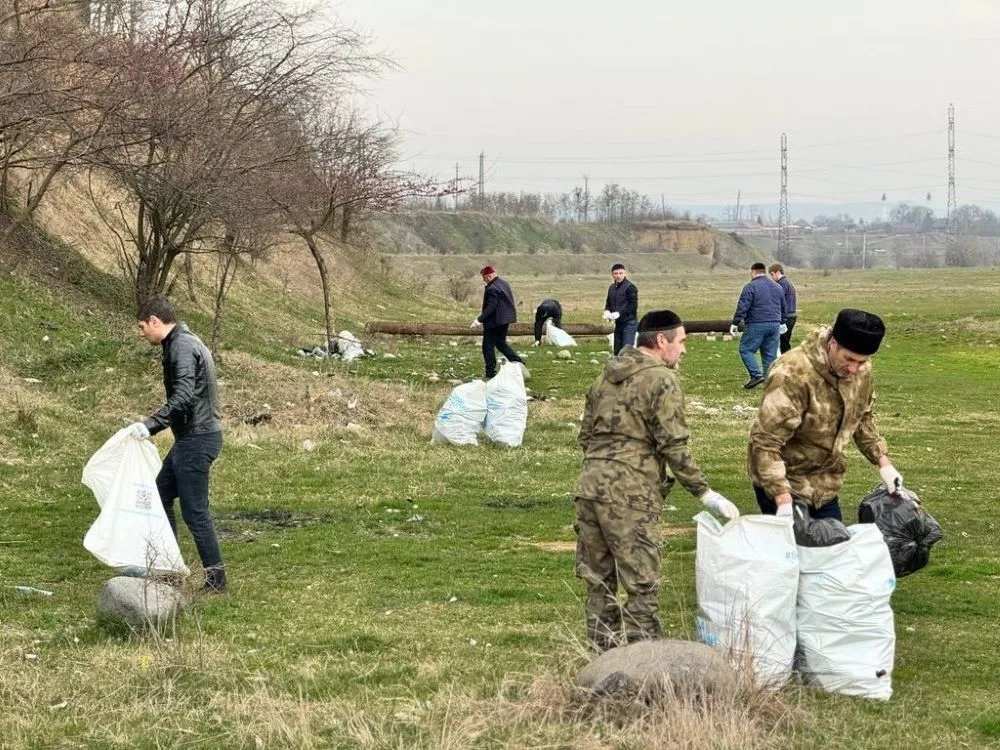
(818, 397)
(633, 430)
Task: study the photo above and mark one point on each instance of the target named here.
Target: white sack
(348, 346)
(507, 406)
(462, 416)
(746, 577)
(131, 530)
(847, 641)
(557, 336)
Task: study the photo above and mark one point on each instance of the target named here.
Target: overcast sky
(689, 99)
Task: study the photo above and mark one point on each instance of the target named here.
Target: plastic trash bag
(908, 529)
(348, 346)
(845, 625)
(816, 532)
(131, 532)
(462, 416)
(506, 406)
(557, 336)
(747, 578)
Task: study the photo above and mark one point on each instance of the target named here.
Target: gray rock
(138, 602)
(651, 668)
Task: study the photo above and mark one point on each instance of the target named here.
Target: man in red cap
(499, 311)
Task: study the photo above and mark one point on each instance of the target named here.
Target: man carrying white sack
(818, 397)
(633, 430)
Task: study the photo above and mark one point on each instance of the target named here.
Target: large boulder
(138, 602)
(654, 667)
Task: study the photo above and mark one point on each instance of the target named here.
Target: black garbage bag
(908, 529)
(816, 532)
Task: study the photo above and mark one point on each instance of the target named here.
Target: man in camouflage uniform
(633, 429)
(818, 397)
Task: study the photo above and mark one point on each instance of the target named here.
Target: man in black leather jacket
(499, 311)
(192, 414)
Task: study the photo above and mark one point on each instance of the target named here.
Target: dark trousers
(768, 507)
(496, 338)
(625, 334)
(786, 338)
(184, 476)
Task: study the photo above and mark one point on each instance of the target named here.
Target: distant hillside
(472, 233)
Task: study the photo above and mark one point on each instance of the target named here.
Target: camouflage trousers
(618, 546)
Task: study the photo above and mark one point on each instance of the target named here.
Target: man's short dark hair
(776, 268)
(159, 307)
(759, 267)
(647, 339)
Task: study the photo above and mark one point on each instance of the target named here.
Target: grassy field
(391, 594)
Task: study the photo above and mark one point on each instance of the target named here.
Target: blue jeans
(768, 507)
(763, 337)
(184, 476)
(625, 334)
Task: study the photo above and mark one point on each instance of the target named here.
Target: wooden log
(395, 328)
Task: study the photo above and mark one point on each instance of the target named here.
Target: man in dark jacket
(192, 414)
(499, 311)
(762, 310)
(548, 309)
(622, 307)
(777, 272)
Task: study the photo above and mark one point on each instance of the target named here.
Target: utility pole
(663, 207)
(739, 194)
(784, 246)
(952, 205)
(456, 185)
(864, 248)
(482, 154)
(586, 198)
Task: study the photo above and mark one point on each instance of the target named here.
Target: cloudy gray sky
(689, 99)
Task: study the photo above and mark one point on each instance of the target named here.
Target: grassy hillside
(389, 593)
(486, 235)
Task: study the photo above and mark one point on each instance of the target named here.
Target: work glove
(138, 430)
(733, 329)
(719, 505)
(891, 478)
(615, 316)
(782, 329)
(607, 315)
(475, 323)
(784, 511)
(537, 343)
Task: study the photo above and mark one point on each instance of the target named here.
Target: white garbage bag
(462, 416)
(348, 346)
(557, 336)
(131, 530)
(507, 406)
(847, 641)
(746, 578)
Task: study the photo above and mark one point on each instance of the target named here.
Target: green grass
(403, 592)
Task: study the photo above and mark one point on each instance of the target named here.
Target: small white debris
(109, 370)
(353, 427)
(388, 355)
(727, 337)
(594, 362)
(400, 400)
(315, 373)
(710, 338)
(392, 510)
(308, 446)
(452, 343)
(353, 403)
(452, 600)
(253, 650)
(433, 379)
(45, 339)
(265, 407)
(472, 641)
(415, 519)
(670, 508)
(32, 380)
(31, 657)
(276, 545)
(910, 629)
(58, 706)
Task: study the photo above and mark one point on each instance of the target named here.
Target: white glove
(719, 505)
(607, 315)
(537, 343)
(733, 330)
(782, 329)
(891, 478)
(615, 316)
(139, 430)
(784, 511)
(475, 323)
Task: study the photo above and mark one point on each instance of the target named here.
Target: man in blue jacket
(499, 311)
(777, 272)
(762, 311)
(622, 308)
